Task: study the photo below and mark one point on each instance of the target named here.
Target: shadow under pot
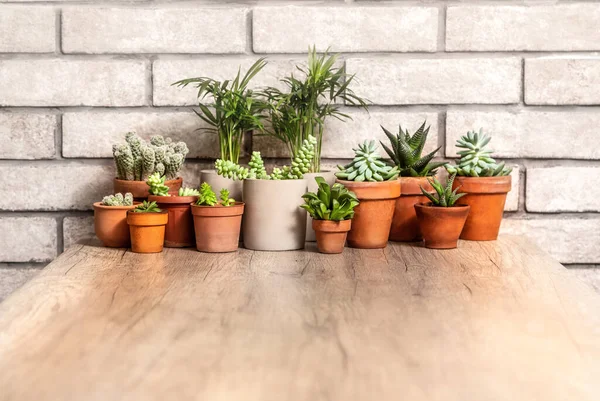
(373, 216)
(110, 224)
(486, 196)
(139, 189)
(441, 226)
(405, 227)
(217, 182)
(217, 227)
(147, 231)
(331, 235)
(179, 231)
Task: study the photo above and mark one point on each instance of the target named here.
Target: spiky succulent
(367, 165)
(207, 196)
(330, 202)
(118, 200)
(147, 207)
(475, 160)
(406, 150)
(443, 196)
(225, 199)
(157, 185)
(186, 191)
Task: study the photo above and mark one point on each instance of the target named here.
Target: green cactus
(367, 165)
(186, 191)
(118, 200)
(207, 196)
(225, 199)
(157, 185)
(475, 160)
(443, 196)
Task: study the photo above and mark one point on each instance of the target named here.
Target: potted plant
(441, 220)
(110, 220)
(179, 231)
(137, 159)
(147, 227)
(377, 187)
(405, 152)
(331, 209)
(217, 223)
(486, 184)
(237, 110)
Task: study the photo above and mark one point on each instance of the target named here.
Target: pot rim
(163, 218)
(429, 205)
(332, 225)
(137, 181)
(363, 189)
(484, 185)
(98, 205)
(172, 199)
(236, 209)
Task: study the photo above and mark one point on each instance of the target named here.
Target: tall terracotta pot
(110, 224)
(217, 183)
(486, 196)
(217, 227)
(139, 189)
(312, 186)
(179, 231)
(405, 227)
(147, 231)
(373, 217)
(441, 226)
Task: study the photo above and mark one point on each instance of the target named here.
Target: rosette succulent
(475, 160)
(367, 165)
(157, 185)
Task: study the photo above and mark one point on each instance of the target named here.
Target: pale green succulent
(186, 191)
(157, 185)
(231, 170)
(225, 199)
(118, 200)
(475, 160)
(257, 166)
(207, 196)
(367, 165)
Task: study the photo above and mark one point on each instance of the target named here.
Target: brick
(27, 136)
(13, 277)
(555, 81)
(570, 240)
(389, 81)
(27, 239)
(589, 275)
(27, 29)
(556, 189)
(149, 30)
(54, 82)
(55, 186)
(291, 29)
(77, 229)
(531, 134)
(512, 199)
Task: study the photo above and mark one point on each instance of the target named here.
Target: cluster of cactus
(186, 191)
(475, 160)
(443, 196)
(156, 182)
(147, 207)
(137, 159)
(207, 196)
(367, 165)
(118, 200)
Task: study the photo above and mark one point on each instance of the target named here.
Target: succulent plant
(147, 207)
(231, 170)
(157, 185)
(225, 199)
(367, 165)
(207, 196)
(257, 169)
(406, 150)
(443, 196)
(330, 202)
(186, 191)
(475, 160)
(257, 166)
(118, 200)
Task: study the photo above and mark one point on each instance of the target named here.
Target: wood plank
(487, 321)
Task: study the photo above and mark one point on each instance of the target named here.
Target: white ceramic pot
(217, 183)
(273, 219)
(312, 186)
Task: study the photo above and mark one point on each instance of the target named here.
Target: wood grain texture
(487, 321)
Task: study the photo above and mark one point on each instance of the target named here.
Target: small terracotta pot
(405, 227)
(373, 217)
(147, 231)
(179, 231)
(441, 226)
(217, 227)
(486, 196)
(110, 224)
(139, 189)
(331, 235)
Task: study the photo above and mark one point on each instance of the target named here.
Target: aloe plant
(367, 165)
(207, 196)
(475, 160)
(225, 199)
(186, 191)
(443, 196)
(118, 200)
(147, 207)
(334, 203)
(156, 182)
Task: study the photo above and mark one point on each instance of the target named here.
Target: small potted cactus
(137, 159)
(486, 184)
(405, 151)
(377, 187)
(217, 223)
(180, 228)
(441, 220)
(331, 209)
(147, 227)
(110, 220)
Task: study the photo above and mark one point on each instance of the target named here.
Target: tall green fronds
(443, 196)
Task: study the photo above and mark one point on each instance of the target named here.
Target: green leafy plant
(225, 199)
(186, 191)
(118, 200)
(157, 185)
(405, 151)
(147, 207)
(443, 196)
(475, 160)
(236, 108)
(330, 202)
(367, 165)
(207, 196)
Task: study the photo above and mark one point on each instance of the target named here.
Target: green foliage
(157, 185)
(147, 207)
(229, 169)
(330, 202)
(443, 196)
(237, 109)
(405, 151)
(367, 165)
(225, 199)
(186, 191)
(257, 170)
(207, 196)
(257, 166)
(475, 160)
(118, 200)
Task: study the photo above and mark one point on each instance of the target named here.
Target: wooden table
(488, 321)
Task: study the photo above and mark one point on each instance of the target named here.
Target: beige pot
(273, 219)
(217, 183)
(312, 186)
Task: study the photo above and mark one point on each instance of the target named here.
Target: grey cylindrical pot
(273, 219)
(217, 183)
(312, 186)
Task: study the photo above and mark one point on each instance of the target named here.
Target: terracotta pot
(179, 231)
(147, 231)
(312, 186)
(486, 196)
(110, 224)
(373, 217)
(217, 227)
(405, 226)
(217, 183)
(441, 226)
(139, 189)
(273, 220)
(331, 235)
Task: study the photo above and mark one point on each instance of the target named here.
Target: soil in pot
(217, 227)
(147, 231)
(217, 183)
(331, 235)
(373, 217)
(179, 231)
(405, 227)
(486, 196)
(312, 186)
(110, 224)
(441, 226)
(139, 189)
